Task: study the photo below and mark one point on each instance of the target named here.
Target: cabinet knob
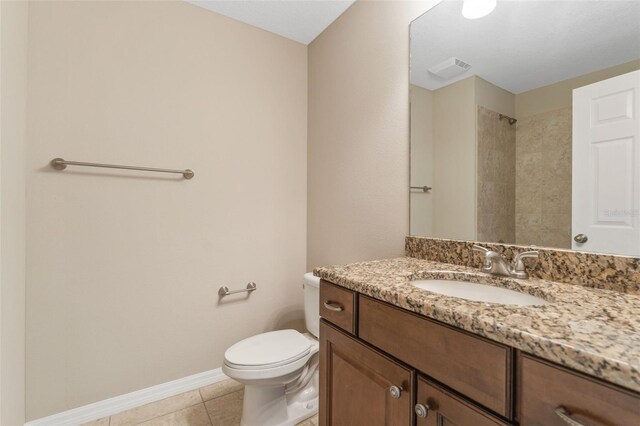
(395, 391)
(580, 238)
(422, 410)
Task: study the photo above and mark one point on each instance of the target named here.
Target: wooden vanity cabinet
(545, 388)
(379, 362)
(361, 386)
(440, 407)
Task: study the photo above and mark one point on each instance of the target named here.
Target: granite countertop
(591, 330)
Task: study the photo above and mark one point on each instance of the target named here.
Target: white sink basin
(478, 292)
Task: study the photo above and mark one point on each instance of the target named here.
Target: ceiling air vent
(450, 68)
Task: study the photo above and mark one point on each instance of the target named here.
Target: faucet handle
(518, 264)
(487, 254)
(480, 248)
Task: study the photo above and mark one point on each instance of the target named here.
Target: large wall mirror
(525, 124)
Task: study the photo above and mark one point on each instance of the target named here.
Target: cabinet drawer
(446, 408)
(338, 305)
(475, 367)
(544, 388)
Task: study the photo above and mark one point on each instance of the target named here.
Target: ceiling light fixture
(474, 9)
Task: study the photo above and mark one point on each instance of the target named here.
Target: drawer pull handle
(333, 306)
(566, 417)
(422, 410)
(395, 391)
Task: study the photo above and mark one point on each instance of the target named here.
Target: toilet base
(271, 406)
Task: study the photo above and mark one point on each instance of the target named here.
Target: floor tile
(156, 409)
(100, 422)
(225, 410)
(220, 389)
(311, 421)
(195, 415)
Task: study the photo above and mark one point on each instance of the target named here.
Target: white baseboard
(108, 407)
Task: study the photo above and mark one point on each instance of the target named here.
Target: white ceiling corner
(298, 20)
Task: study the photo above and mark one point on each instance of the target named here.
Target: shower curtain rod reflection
(61, 164)
(511, 120)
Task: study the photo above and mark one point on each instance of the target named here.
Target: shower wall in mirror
(524, 125)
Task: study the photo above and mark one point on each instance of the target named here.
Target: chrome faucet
(496, 264)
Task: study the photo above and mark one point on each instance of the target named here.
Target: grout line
(219, 396)
(202, 396)
(208, 415)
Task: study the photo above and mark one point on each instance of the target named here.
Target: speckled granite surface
(591, 330)
(618, 273)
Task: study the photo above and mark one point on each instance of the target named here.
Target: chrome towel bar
(224, 290)
(423, 188)
(61, 164)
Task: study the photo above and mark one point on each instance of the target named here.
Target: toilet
(279, 369)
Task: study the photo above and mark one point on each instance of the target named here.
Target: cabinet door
(361, 386)
(437, 406)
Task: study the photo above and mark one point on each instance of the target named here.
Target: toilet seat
(268, 350)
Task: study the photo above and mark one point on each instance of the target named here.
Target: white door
(606, 166)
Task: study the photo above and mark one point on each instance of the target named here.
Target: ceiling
(523, 45)
(299, 20)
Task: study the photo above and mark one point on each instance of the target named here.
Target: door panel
(612, 189)
(355, 382)
(606, 165)
(444, 408)
(359, 388)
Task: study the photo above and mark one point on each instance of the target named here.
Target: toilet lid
(268, 350)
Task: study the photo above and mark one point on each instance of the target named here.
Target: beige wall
(124, 267)
(421, 204)
(13, 95)
(559, 95)
(454, 168)
(358, 137)
(494, 98)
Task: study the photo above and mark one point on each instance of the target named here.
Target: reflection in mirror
(524, 124)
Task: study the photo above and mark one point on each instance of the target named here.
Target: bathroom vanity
(392, 354)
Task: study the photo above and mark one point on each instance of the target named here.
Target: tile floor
(219, 404)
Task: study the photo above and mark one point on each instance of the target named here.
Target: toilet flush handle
(332, 306)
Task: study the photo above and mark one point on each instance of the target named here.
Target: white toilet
(279, 369)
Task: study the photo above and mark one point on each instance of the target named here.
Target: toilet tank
(311, 286)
